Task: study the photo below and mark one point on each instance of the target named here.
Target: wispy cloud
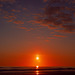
(10, 1)
(59, 16)
(1, 5)
(13, 10)
(59, 36)
(21, 27)
(47, 40)
(18, 22)
(45, 0)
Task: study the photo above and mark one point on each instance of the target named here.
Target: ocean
(35, 71)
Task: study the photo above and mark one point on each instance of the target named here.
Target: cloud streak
(45, 0)
(18, 22)
(59, 14)
(59, 36)
(10, 1)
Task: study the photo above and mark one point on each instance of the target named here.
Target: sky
(37, 27)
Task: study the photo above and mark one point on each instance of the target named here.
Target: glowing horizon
(37, 33)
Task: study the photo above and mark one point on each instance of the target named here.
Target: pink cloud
(16, 10)
(45, 0)
(1, 5)
(22, 27)
(24, 8)
(64, 31)
(51, 38)
(18, 22)
(10, 1)
(59, 36)
(56, 17)
(47, 40)
(10, 20)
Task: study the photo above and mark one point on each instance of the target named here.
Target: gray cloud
(59, 14)
(10, 1)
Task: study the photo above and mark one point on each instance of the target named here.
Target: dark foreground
(40, 71)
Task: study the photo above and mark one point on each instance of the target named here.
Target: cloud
(45, 0)
(47, 40)
(5, 17)
(14, 13)
(24, 8)
(10, 1)
(10, 17)
(10, 20)
(16, 10)
(52, 27)
(52, 38)
(69, 28)
(22, 27)
(59, 36)
(34, 21)
(58, 14)
(1, 5)
(64, 31)
(18, 22)
(73, 1)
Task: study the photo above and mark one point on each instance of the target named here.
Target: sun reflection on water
(37, 72)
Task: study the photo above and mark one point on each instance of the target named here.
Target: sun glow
(37, 67)
(37, 62)
(37, 58)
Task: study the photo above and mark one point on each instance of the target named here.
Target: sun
(37, 58)
(37, 67)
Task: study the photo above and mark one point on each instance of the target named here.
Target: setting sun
(37, 37)
(37, 67)
(37, 58)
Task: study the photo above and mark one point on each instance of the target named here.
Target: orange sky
(29, 59)
(31, 27)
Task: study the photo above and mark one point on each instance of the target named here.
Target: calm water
(34, 71)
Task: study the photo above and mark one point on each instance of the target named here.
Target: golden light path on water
(37, 72)
(37, 58)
